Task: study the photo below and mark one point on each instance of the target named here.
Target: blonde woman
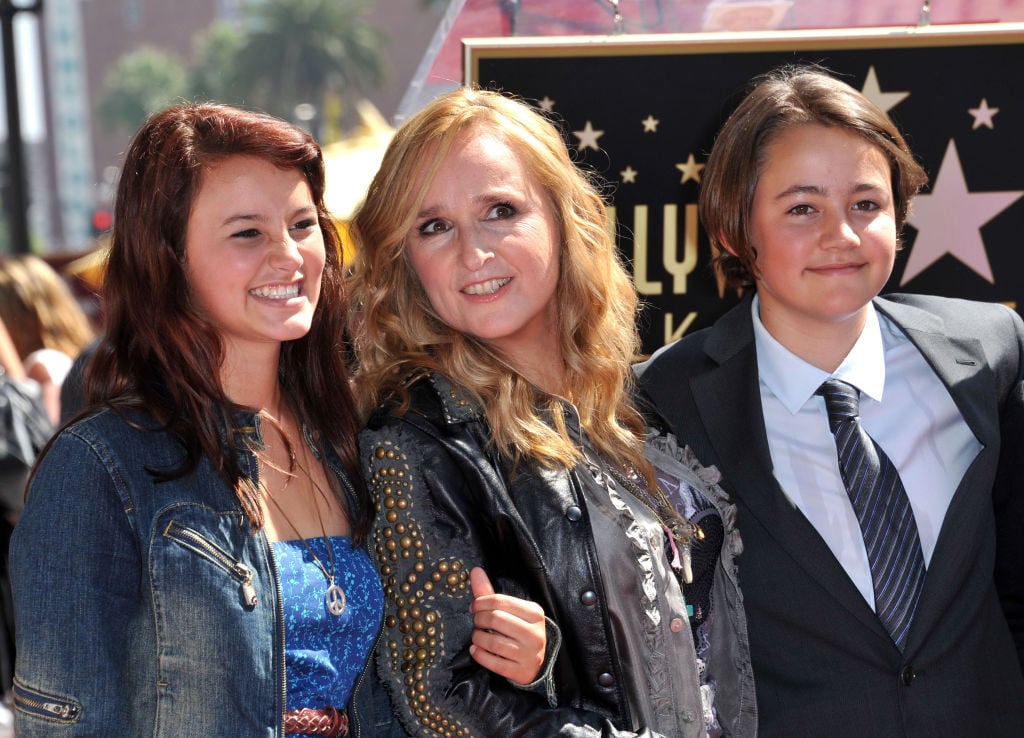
(494, 336)
(48, 326)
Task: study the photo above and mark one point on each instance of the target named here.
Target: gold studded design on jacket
(414, 629)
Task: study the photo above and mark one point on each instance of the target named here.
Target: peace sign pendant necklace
(335, 597)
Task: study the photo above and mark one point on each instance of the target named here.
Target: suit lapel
(729, 403)
(727, 397)
(962, 367)
(958, 361)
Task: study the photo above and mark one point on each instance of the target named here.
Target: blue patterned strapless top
(324, 653)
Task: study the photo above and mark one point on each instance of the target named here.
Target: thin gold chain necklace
(334, 598)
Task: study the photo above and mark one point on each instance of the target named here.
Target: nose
(473, 254)
(839, 232)
(285, 254)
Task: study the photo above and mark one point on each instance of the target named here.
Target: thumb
(480, 582)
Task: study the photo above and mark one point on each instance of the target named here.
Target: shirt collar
(793, 381)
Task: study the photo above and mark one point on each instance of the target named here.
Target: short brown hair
(786, 97)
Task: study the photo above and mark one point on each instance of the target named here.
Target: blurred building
(84, 39)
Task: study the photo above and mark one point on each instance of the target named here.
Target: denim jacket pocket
(196, 542)
(61, 710)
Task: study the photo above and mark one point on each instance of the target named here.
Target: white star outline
(948, 220)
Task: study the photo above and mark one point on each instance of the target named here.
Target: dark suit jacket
(823, 663)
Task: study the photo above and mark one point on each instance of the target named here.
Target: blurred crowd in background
(47, 317)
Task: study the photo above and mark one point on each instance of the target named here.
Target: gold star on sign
(650, 124)
(546, 104)
(628, 175)
(690, 169)
(588, 138)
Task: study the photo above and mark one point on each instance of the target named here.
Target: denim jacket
(146, 608)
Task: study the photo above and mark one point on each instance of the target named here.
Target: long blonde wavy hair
(398, 336)
(39, 308)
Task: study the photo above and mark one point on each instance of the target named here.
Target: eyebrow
(427, 212)
(231, 220)
(498, 193)
(817, 190)
(255, 217)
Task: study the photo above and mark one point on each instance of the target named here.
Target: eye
(435, 225)
(802, 209)
(503, 210)
(305, 225)
(866, 206)
(247, 233)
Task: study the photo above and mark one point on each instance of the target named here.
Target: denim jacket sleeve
(424, 543)
(142, 607)
(72, 680)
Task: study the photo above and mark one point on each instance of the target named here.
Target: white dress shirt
(903, 406)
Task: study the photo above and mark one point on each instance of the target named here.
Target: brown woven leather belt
(330, 722)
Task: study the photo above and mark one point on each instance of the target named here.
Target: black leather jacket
(445, 505)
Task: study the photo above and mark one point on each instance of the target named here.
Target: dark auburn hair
(158, 353)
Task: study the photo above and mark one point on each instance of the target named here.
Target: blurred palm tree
(306, 52)
(143, 82)
(214, 75)
(317, 53)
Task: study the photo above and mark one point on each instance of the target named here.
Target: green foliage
(286, 52)
(143, 82)
(215, 73)
(298, 51)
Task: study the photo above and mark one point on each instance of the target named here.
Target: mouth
(277, 291)
(837, 268)
(487, 288)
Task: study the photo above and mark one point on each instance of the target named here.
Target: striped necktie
(883, 511)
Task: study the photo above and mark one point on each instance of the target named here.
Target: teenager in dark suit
(804, 195)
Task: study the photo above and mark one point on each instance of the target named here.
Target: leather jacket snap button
(676, 625)
(573, 514)
(908, 675)
(688, 716)
(589, 598)
(606, 680)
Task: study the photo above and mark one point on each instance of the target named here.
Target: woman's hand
(510, 635)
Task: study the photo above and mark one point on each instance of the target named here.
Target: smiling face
(485, 245)
(254, 255)
(824, 230)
